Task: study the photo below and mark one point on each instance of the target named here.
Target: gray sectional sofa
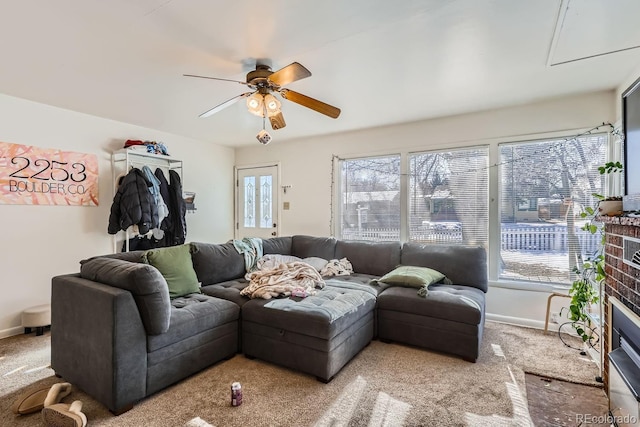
(117, 335)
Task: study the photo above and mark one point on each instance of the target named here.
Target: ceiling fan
(264, 83)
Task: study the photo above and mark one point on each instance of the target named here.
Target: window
(447, 197)
(448, 200)
(544, 186)
(442, 197)
(370, 198)
(265, 202)
(249, 202)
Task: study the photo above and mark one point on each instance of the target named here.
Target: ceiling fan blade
(215, 78)
(277, 121)
(314, 104)
(288, 74)
(224, 105)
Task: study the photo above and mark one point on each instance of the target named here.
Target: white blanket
(282, 279)
(337, 267)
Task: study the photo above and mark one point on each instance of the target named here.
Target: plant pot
(610, 207)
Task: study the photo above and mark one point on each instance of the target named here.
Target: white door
(257, 202)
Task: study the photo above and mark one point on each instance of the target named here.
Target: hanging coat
(178, 207)
(133, 204)
(164, 192)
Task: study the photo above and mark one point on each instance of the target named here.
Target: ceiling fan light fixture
(262, 102)
(255, 104)
(272, 104)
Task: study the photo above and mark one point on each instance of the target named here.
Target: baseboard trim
(6, 333)
(520, 321)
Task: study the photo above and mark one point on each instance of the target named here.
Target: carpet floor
(384, 385)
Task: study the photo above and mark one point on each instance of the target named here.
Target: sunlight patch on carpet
(343, 407)
(14, 371)
(497, 350)
(37, 368)
(388, 412)
(197, 422)
(521, 415)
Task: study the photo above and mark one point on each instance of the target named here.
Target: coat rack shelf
(122, 161)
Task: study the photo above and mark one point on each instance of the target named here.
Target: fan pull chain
(264, 116)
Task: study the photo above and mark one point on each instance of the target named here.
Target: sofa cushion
(229, 290)
(316, 262)
(453, 303)
(277, 245)
(215, 263)
(463, 265)
(146, 284)
(357, 279)
(375, 258)
(192, 315)
(175, 265)
(323, 315)
(308, 246)
(133, 256)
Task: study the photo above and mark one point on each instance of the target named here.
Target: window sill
(529, 286)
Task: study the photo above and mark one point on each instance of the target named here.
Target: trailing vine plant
(585, 290)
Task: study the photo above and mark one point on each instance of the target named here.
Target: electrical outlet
(555, 318)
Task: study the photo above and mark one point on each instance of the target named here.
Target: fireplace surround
(621, 373)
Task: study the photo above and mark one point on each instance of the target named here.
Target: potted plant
(612, 205)
(585, 292)
(590, 273)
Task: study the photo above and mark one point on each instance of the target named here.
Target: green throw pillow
(414, 277)
(175, 265)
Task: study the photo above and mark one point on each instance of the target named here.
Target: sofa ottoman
(316, 335)
(449, 319)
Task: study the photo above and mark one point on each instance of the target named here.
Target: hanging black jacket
(133, 204)
(178, 209)
(166, 224)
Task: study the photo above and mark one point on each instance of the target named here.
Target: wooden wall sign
(41, 176)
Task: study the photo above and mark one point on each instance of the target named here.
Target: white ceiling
(381, 62)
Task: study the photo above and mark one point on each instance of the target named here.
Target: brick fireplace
(622, 285)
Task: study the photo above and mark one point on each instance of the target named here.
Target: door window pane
(249, 201)
(266, 208)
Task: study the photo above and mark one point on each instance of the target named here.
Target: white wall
(39, 242)
(306, 165)
(631, 78)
